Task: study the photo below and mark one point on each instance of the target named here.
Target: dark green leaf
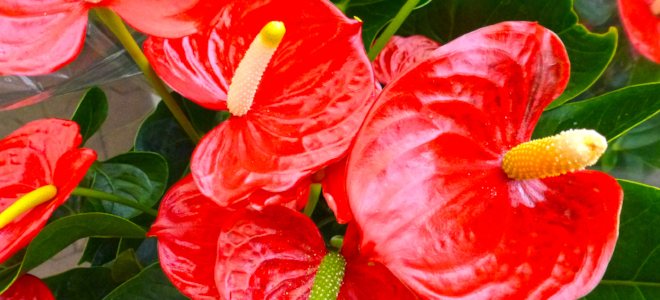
(100, 251)
(202, 118)
(81, 284)
(58, 235)
(644, 71)
(162, 134)
(91, 112)
(634, 271)
(126, 266)
(611, 114)
(126, 244)
(138, 176)
(589, 53)
(150, 284)
(147, 253)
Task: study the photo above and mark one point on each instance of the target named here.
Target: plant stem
(343, 5)
(313, 199)
(115, 23)
(337, 241)
(79, 191)
(392, 28)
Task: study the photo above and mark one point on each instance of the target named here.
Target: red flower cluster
(40, 154)
(641, 19)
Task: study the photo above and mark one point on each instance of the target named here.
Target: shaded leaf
(126, 266)
(91, 112)
(99, 251)
(138, 176)
(150, 284)
(60, 234)
(81, 284)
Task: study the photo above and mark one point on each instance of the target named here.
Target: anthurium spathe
(40, 166)
(188, 227)
(400, 53)
(277, 253)
(296, 79)
(427, 182)
(38, 37)
(27, 287)
(641, 19)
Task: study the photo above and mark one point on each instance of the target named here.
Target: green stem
(79, 191)
(392, 28)
(343, 5)
(115, 23)
(337, 241)
(313, 199)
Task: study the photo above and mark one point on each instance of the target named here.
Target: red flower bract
(197, 238)
(642, 26)
(40, 153)
(427, 189)
(27, 287)
(401, 53)
(39, 37)
(308, 106)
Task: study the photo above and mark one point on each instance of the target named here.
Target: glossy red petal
(69, 171)
(169, 18)
(27, 287)
(310, 102)
(401, 53)
(188, 227)
(334, 191)
(427, 190)
(269, 254)
(39, 37)
(642, 27)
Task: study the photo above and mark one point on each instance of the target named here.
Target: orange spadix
(551, 156)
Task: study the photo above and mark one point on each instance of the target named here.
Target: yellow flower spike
(552, 156)
(655, 7)
(27, 202)
(248, 75)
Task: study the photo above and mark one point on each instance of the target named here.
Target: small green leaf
(81, 284)
(634, 270)
(611, 114)
(60, 234)
(162, 134)
(589, 53)
(138, 176)
(126, 266)
(99, 251)
(91, 112)
(150, 284)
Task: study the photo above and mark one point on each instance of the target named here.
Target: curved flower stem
(115, 23)
(314, 194)
(392, 28)
(79, 191)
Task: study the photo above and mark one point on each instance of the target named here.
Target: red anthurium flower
(188, 227)
(277, 253)
(427, 182)
(641, 19)
(27, 287)
(334, 190)
(40, 166)
(295, 77)
(399, 54)
(40, 36)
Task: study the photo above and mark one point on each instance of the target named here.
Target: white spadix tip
(248, 75)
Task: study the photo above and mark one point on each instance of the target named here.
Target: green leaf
(91, 112)
(60, 234)
(162, 134)
(81, 284)
(611, 114)
(150, 284)
(99, 251)
(138, 176)
(634, 270)
(126, 266)
(589, 53)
